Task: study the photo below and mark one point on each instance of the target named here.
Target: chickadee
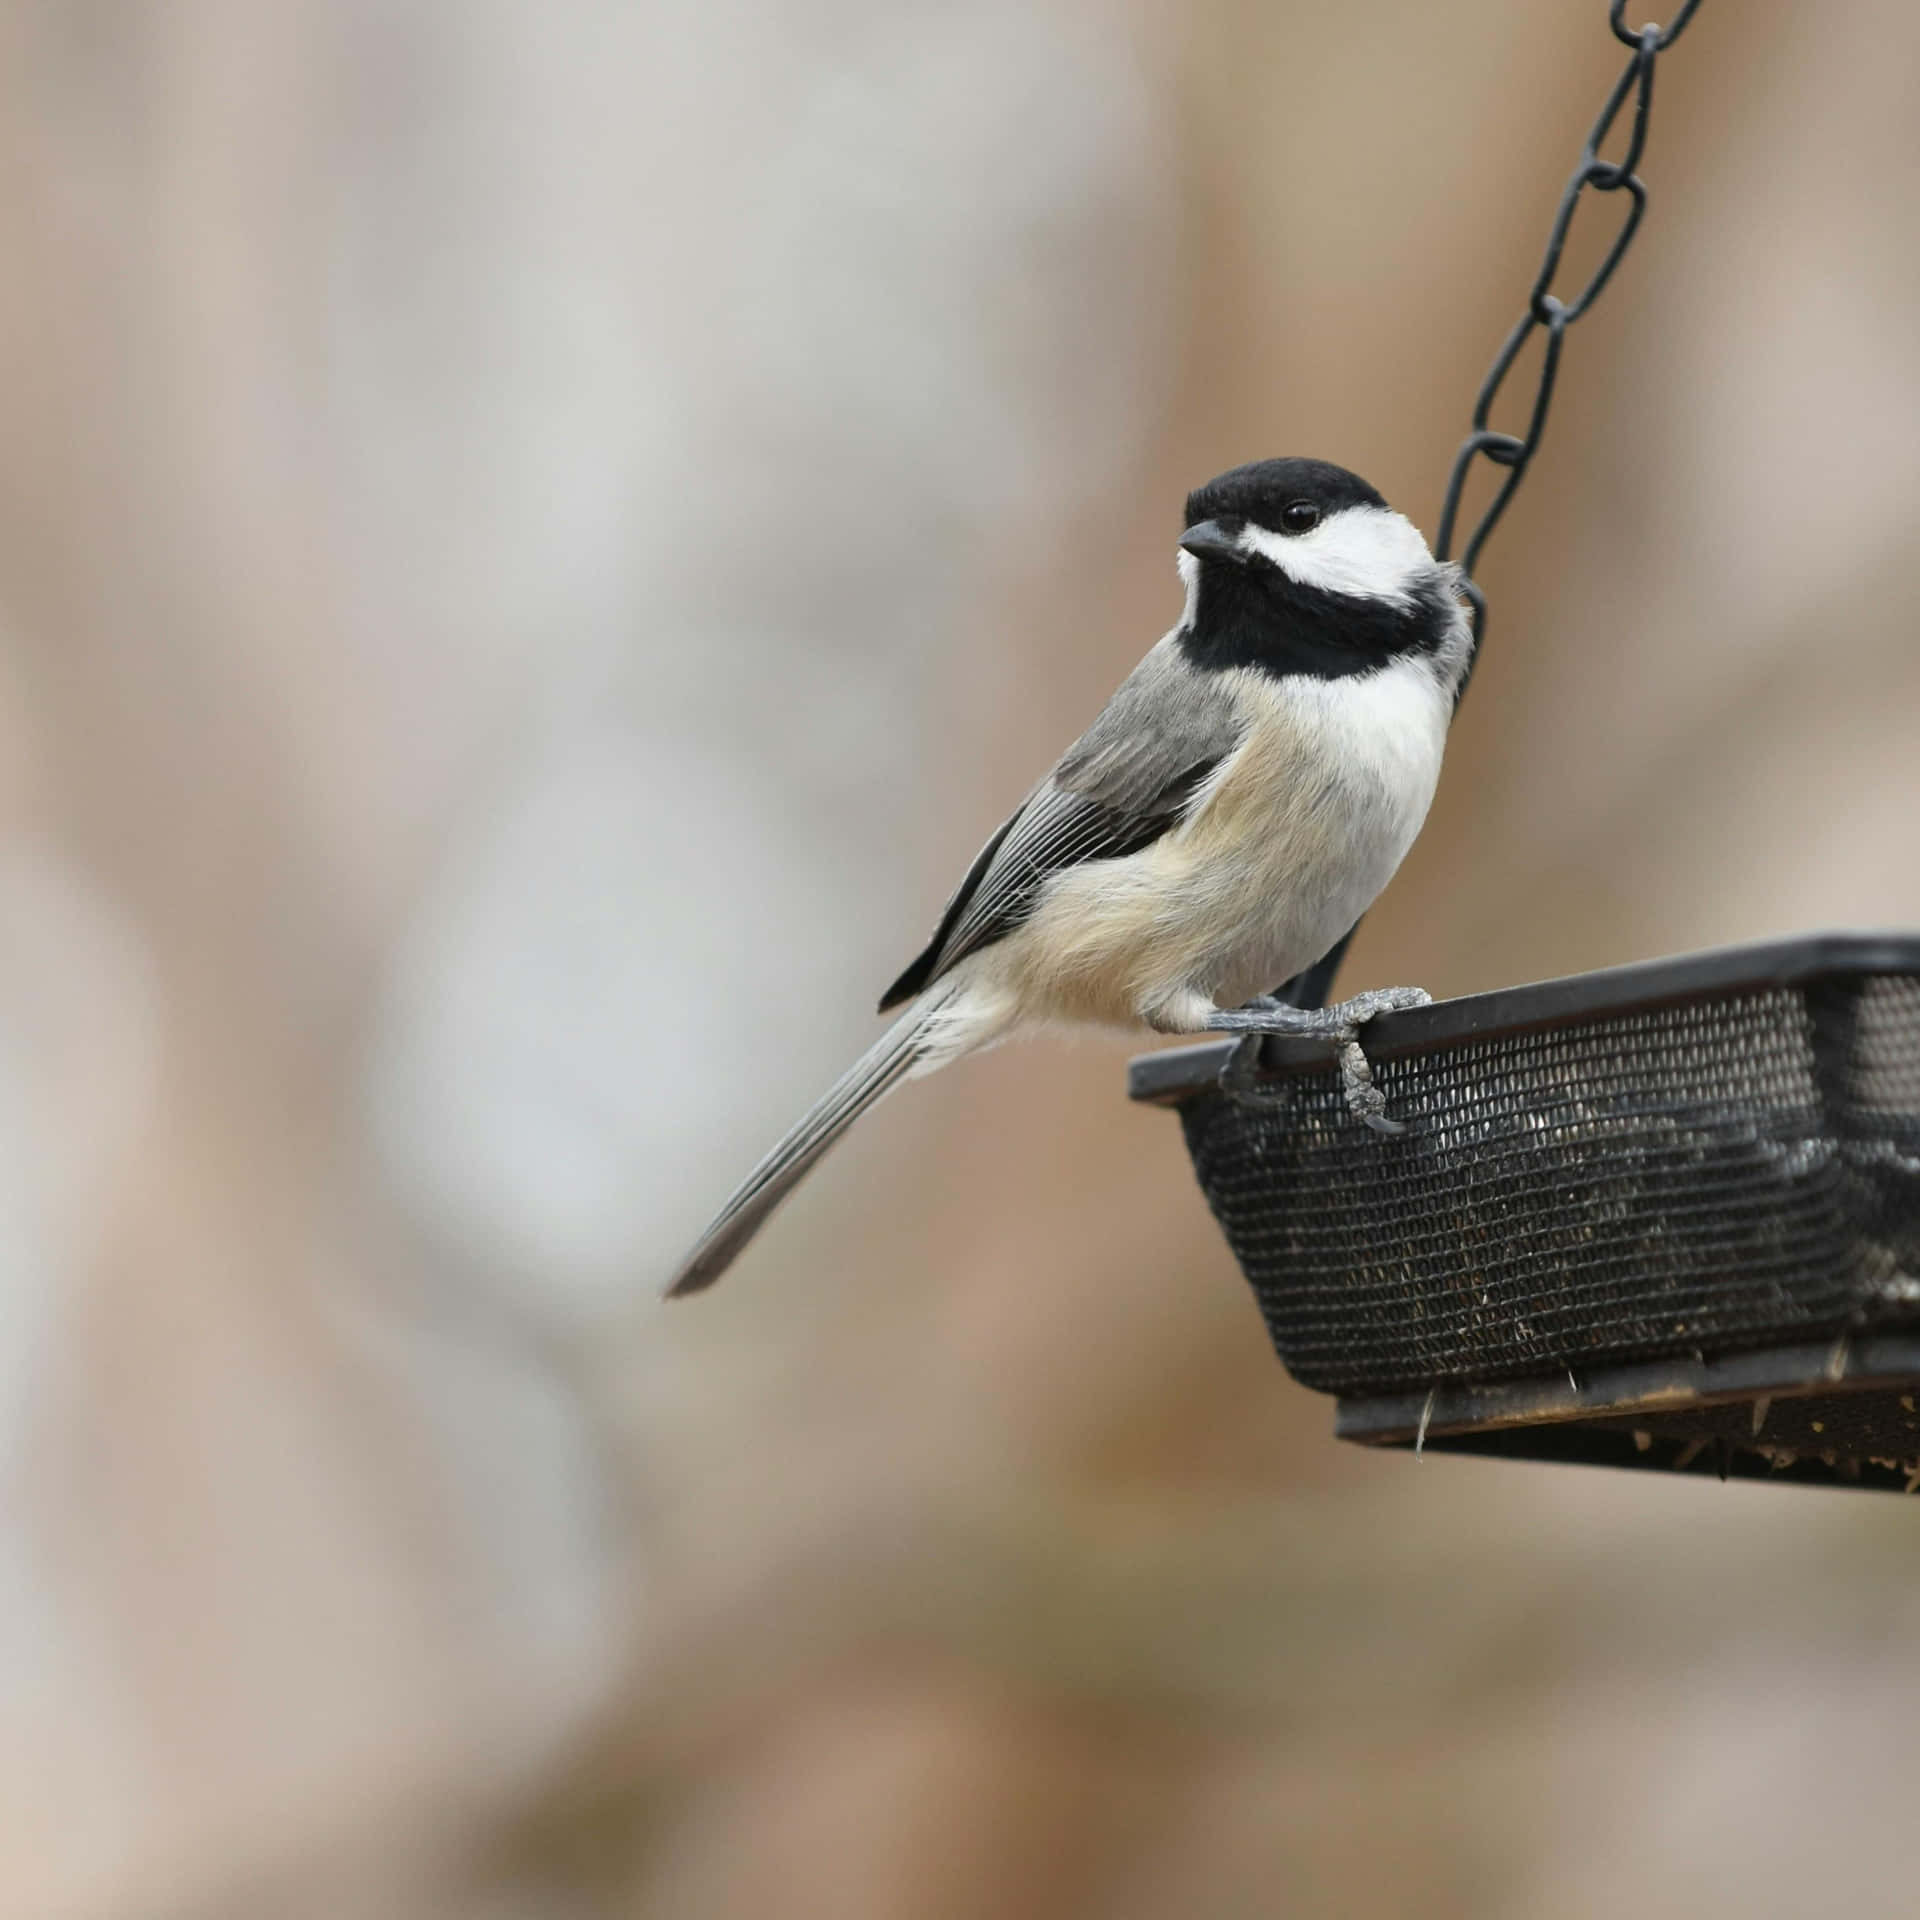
(1235, 808)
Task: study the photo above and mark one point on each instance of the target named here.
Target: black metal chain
(1545, 309)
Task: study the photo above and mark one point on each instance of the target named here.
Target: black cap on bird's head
(1265, 491)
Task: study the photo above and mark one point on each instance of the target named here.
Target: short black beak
(1211, 541)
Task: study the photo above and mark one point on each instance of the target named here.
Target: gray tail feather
(878, 1071)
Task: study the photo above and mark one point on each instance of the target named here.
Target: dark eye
(1299, 516)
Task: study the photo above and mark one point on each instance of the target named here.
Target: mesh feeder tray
(1663, 1216)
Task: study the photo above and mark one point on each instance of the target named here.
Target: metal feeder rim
(1851, 1362)
(1176, 1074)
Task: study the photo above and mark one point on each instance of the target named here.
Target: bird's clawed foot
(1365, 1101)
(1378, 1000)
(1340, 1023)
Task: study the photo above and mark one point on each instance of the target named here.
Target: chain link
(1546, 311)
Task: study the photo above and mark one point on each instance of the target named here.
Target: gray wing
(1118, 788)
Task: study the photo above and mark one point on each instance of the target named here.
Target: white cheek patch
(1189, 566)
(1371, 553)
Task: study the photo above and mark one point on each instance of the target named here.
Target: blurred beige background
(534, 543)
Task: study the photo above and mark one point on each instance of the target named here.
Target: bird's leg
(1340, 1023)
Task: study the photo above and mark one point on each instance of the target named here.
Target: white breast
(1288, 845)
(1313, 819)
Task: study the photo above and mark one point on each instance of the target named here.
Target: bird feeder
(1663, 1216)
